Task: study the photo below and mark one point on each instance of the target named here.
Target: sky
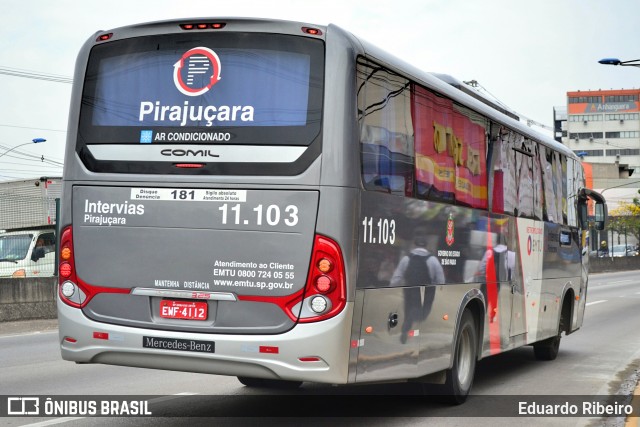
(527, 54)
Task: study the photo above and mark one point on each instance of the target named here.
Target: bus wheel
(265, 383)
(460, 376)
(548, 349)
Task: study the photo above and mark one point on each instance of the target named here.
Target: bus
(285, 203)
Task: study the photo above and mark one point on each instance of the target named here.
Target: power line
(39, 171)
(31, 157)
(26, 127)
(18, 72)
(28, 174)
(45, 163)
(475, 85)
(40, 159)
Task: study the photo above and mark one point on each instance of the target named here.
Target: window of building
(585, 135)
(624, 152)
(623, 134)
(621, 98)
(582, 153)
(585, 117)
(585, 99)
(624, 116)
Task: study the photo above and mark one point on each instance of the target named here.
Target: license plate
(189, 310)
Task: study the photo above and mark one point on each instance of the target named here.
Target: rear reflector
(101, 335)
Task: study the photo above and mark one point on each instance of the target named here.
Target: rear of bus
(192, 233)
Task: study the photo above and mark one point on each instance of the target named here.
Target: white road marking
(26, 334)
(53, 422)
(620, 282)
(596, 302)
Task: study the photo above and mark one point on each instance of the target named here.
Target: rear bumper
(260, 356)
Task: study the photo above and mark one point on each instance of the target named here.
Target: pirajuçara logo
(194, 74)
(197, 71)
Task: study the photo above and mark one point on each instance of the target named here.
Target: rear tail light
(323, 284)
(104, 37)
(72, 290)
(203, 26)
(68, 289)
(326, 290)
(312, 31)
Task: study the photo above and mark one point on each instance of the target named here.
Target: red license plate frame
(184, 310)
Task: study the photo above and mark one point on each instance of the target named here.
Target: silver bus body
(242, 230)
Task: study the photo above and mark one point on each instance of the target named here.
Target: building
(603, 126)
(559, 123)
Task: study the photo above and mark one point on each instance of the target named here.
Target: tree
(625, 219)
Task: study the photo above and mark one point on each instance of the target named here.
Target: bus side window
(562, 179)
(505, 191)
(435, 168)
(538, 187)
(552, 212)
(451, 150)
(383, 168)
(386, 130)
(575, 181)
(524, 177)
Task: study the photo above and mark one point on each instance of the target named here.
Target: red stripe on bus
(492, 296)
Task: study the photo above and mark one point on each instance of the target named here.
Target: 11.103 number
(271, 214)
(382, 231)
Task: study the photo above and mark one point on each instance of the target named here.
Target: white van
(27, 253)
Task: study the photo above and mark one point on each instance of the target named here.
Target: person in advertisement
(414, 270)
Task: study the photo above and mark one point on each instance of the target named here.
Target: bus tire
(459, 378)
(548, 349)
(266, 383)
